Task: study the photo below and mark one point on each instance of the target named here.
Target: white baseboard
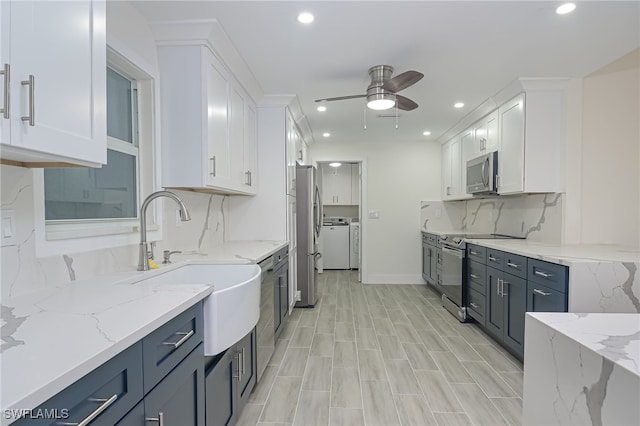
(394, 279)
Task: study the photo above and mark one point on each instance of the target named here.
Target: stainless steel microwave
(482, 175)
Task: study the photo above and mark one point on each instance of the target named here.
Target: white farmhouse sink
(232, 310)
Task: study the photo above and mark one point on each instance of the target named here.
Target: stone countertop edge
(614, 336)
(94, 301)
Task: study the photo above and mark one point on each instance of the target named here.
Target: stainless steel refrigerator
(308, 227)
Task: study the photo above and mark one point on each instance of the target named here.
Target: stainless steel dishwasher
(265, 333)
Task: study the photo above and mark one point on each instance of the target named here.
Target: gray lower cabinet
(104, 395)
(230, 378)
(506, 307)
(158, 379)
(178, 400)
(547, 287)
(429, 257)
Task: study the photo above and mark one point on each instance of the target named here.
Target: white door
(59, 49)
(219, 151)
(511, 158)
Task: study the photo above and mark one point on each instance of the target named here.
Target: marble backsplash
(23, 272)
(536, 217)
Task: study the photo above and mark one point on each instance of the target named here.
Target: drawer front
(477, 253)
(477, 306)
(168, 345)
(280, 257)
(495, 259)
(541, 298)
(104, 395)
(476, 278)
(549, 274)
(515, 265)
(431, 239)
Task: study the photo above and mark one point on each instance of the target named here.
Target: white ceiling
(467, 51)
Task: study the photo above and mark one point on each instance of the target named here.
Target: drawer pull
(6, 94)
(95, 413)
(513, 265)
(543, 274)
(159, 419)
(474, 305)
(494, 259)
(541, 293)
(474, 276)
(179, 343)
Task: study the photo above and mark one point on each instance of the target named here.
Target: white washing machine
(354, 244)
(335, 244)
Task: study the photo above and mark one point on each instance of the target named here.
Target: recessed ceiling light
(305, 18)
(565, 8)
(326, 134)
(322, 108)
(335, 164)
(458, 105)
(427, 133)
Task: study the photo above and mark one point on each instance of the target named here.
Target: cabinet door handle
(159, 419)
(31, 118)
(185, 337)
(543, 274)
(239, 375)
(541, 293)
(95, 413)
(513, 265)
(213, 165)
(474, 276)
(474, 305)
(503, 283)
(6, 97)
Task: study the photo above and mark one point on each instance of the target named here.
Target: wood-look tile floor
(384, 355)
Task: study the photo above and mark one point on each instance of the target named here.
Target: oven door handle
(455, 252)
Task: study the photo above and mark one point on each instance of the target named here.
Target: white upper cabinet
(531, 152)
(336, 185)
(527, 130)
(208, 124)
(486, 134)
(451, 170)
(53, 83)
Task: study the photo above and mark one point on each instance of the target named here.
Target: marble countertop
(615, 337)
(564, 254)
(53, 337)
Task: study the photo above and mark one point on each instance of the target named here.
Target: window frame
(68, 236)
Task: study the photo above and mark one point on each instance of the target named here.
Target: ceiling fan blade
(402, 81)
(405, 104)
(340, 98)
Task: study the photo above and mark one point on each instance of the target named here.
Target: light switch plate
(8, 228)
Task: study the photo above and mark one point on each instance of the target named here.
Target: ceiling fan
(382, 91)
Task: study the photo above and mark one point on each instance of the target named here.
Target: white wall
(398, 176)
(610, 181)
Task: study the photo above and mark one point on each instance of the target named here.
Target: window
(111, 192)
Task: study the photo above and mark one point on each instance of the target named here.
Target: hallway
(384, 355)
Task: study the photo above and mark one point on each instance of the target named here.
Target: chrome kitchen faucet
(143, 254)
